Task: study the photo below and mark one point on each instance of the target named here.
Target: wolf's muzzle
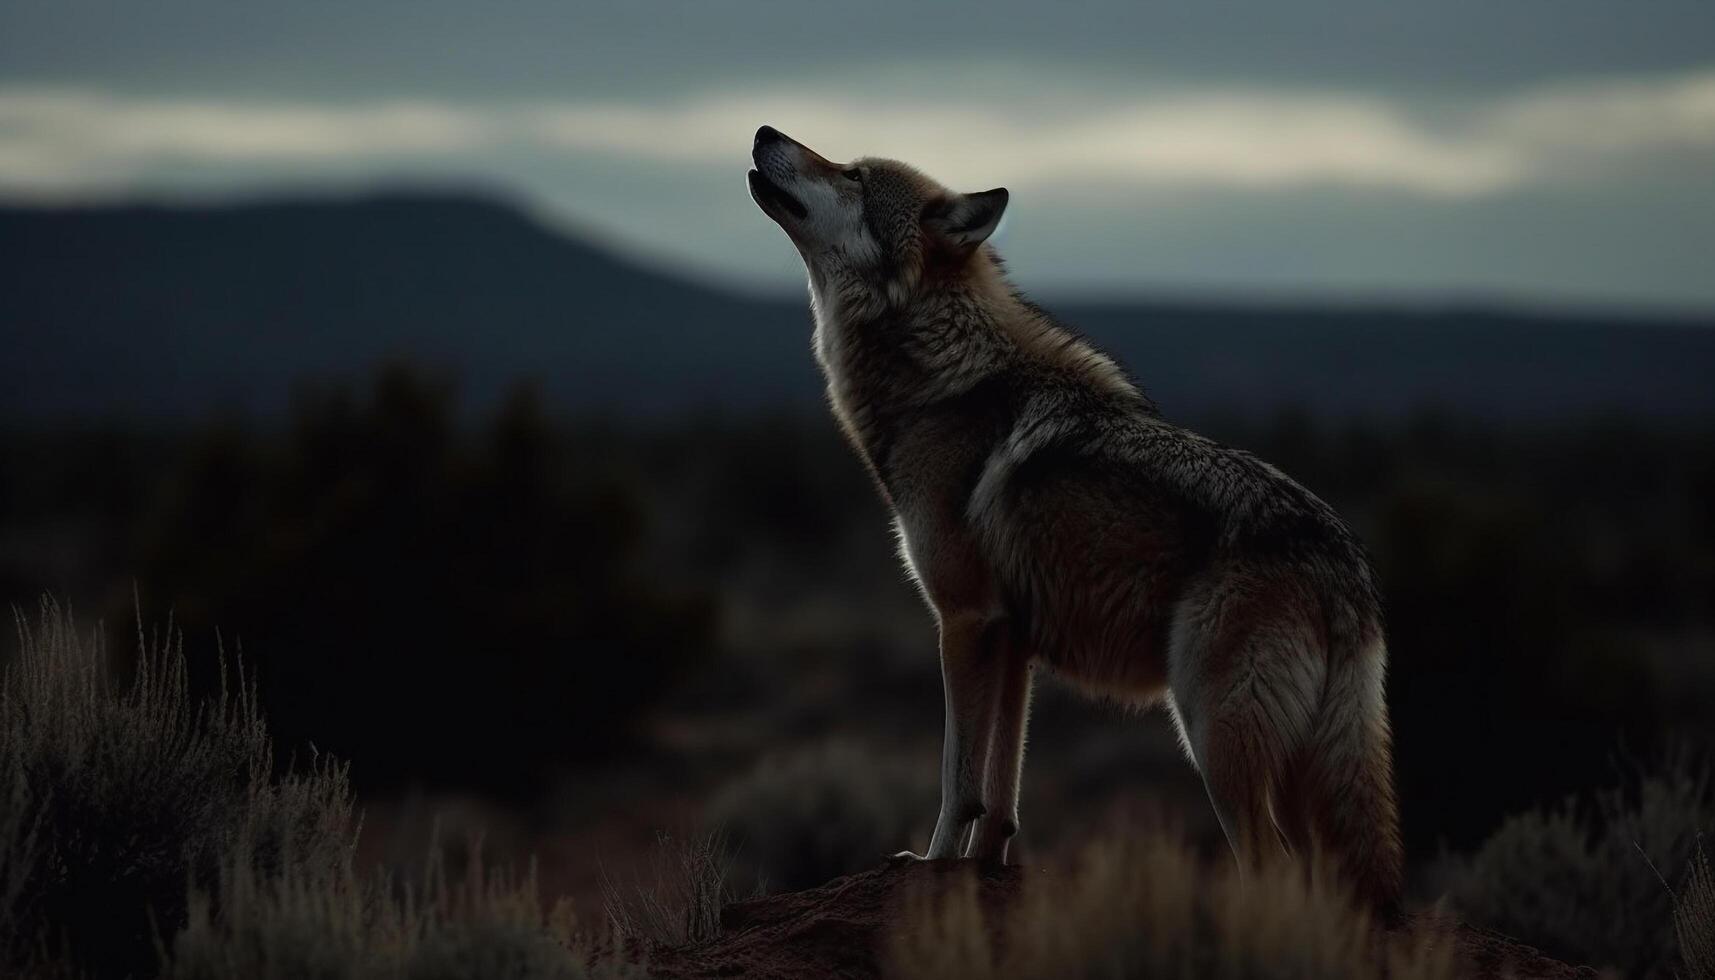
(771, 151)
(764, 136)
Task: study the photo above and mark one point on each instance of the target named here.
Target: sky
(1553, 152)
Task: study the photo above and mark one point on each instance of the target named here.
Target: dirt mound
(1491, 954)
(841, 928)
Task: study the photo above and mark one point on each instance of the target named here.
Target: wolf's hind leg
(999, 822)
(1246, 714)
(973, 649)
(1238, 771)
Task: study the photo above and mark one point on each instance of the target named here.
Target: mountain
(162, 313)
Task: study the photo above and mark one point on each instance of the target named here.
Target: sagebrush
(802, 817)
(147, 830)
(1585, 879)
(122, 793)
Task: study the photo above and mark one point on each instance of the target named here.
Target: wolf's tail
(1347, 779)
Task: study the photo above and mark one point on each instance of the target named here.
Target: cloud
(101, 130)
(1091, 138)
(1615, 117)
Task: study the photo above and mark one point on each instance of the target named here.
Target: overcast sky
(1556, 152)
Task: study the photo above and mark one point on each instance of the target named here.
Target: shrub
(800, 818)
(145, 830)
(1580, 879)
(1146, 906)
(426, 564)
(120, 794)
(680, 902)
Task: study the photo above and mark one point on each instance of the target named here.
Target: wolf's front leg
(999, 822)
(972, 660)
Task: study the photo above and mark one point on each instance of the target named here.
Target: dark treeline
(477, 606)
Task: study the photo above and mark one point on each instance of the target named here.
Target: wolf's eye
(853, 174)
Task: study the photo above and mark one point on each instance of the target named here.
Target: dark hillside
(165, 312)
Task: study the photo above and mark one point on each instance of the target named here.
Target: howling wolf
(1053, 518)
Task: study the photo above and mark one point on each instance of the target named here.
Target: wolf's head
(871, 232)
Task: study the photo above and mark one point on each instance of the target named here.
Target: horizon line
(1249, 298)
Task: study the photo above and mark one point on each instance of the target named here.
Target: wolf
(1053, 519)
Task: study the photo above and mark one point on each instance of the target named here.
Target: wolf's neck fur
(885, 361)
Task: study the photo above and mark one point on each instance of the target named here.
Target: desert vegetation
(1618, 879)
(120, 794)
(1694, 918)
(676, 900)
(149, 831)
(1147, 906)
(803, 817)
(577, 633)
(570, 582)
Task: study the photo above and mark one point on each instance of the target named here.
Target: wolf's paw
(904, 856)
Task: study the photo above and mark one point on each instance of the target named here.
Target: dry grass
(1149, 907)
(679, 901)
(1694, 918)
(145, 830)
(479, 925)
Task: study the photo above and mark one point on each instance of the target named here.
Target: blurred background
(435, 356)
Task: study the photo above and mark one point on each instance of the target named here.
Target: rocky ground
(841, 929)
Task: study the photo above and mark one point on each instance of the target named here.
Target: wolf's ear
(965, 221)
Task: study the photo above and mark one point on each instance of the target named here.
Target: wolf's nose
(766, 134)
